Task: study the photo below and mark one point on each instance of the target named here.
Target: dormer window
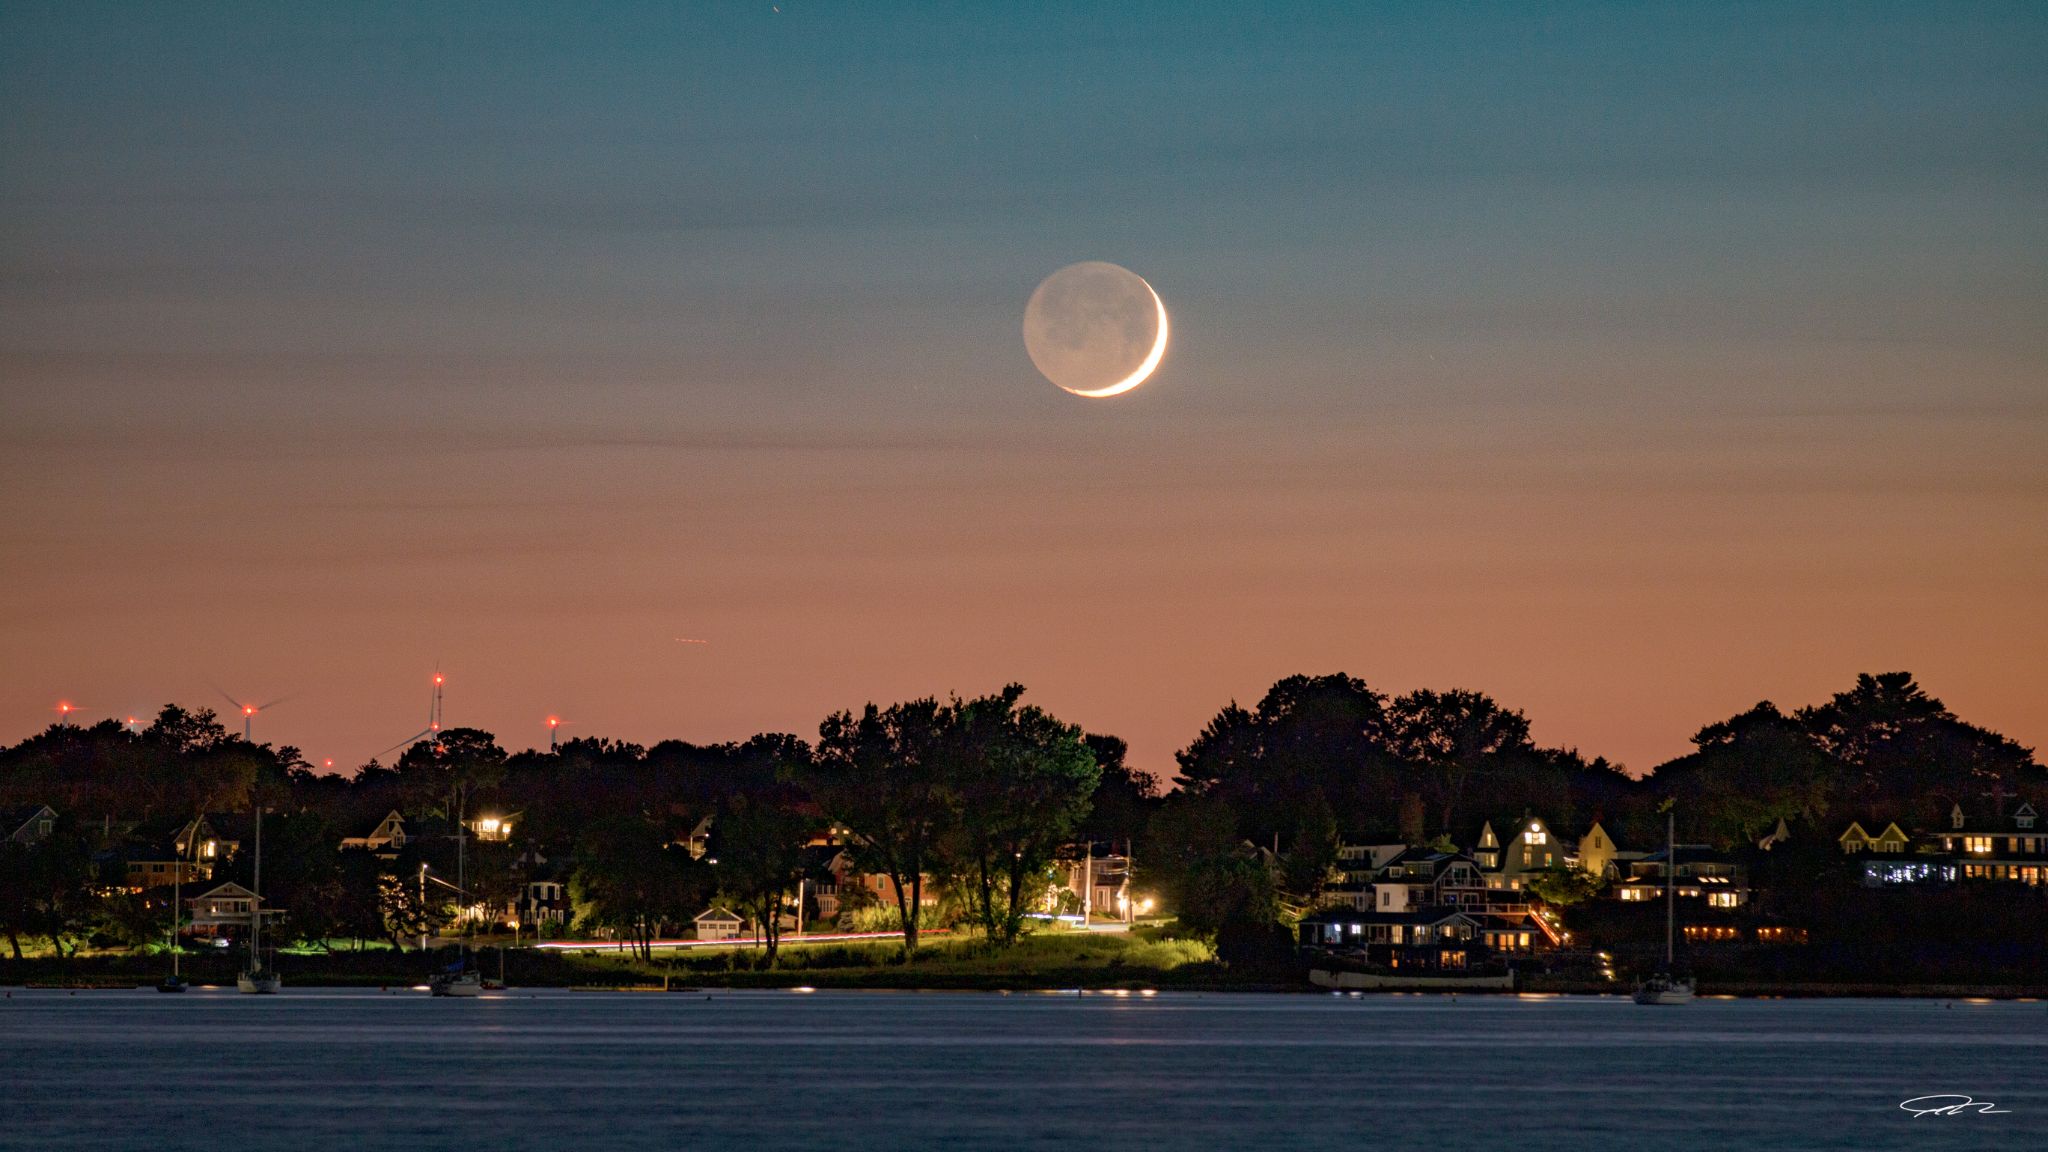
(2024, 818)
(1955, 817)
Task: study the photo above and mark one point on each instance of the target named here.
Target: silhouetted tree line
(976, 795)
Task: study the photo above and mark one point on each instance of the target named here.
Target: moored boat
(1664, 987)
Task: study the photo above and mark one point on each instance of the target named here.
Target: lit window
(1976, 843)
(1535, 835)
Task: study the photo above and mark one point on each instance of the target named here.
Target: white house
(387, 837)
(718, 923)
(224, 908)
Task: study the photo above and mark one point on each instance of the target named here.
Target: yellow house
(1855, 839)
(1596, 850)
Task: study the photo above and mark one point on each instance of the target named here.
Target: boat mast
(256, 905)
(177, 903)
(1670, 879)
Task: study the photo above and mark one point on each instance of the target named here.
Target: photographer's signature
(1952, 1105)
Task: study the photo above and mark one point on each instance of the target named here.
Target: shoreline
(896, 979)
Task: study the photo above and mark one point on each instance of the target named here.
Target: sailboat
(1664, 987)
(175, 982)
(461, 979)
(257, 979)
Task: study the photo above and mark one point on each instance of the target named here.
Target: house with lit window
(1699, 873)
(1097, 877)
(160, 855)
(1597, 852)
(1420, 940)
(1890, 841)
(225, 910)
(1508, 863)
(2004, 846)
(1422, 909)
(1358, 866)
(493, 828)
(385, 839)
(1425, 877)
(543, 900)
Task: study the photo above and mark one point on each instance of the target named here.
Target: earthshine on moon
(1095, 329)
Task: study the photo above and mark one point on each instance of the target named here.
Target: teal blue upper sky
(1729, 285)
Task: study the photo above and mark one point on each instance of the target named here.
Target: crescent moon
(1150, 365)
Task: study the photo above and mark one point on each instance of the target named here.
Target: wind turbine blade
(273, 703)
(224, 695)
(412, 739)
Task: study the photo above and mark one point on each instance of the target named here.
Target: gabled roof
(227, 891)
(13, 820)
(715, 912)
(1424, 854)
(1689, 854)
(1344, 914)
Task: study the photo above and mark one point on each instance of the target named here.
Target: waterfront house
(826, 865)
(224, 910)
(1700, 873)
(543, 898)
(1419, 940)
(1597, 851)
(1996, 848)
(718, 923)
(1097, 878)
(160, 854)
(1969, 847)
(1426, 877)
(1891, 841)
(1509, 863)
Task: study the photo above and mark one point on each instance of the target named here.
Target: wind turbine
(248, 711)
(554, 724)
(433, 727)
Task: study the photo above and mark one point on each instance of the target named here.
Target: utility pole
(1087, 883)
(1130, 897)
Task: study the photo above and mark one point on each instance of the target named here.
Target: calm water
(560, 1070)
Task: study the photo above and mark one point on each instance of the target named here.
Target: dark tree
(1905, 751)
(632, 881)
(882, 775)
(1451, 739)
(1310, 734)
(1749, 772)
(758, 841)
(1211, 878)
(1023, 780)
(1124, 798)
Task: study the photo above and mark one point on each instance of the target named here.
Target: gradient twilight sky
(1630, 363)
